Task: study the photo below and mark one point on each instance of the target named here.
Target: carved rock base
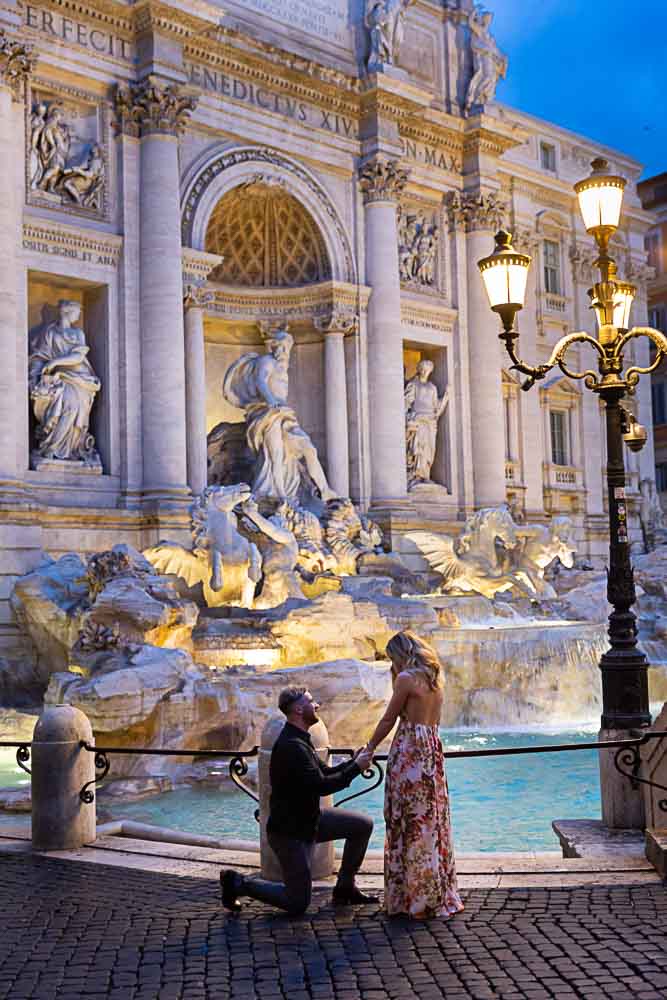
(429, 493)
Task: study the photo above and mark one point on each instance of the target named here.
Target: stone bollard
(323, 855)
(622, 805)
(60, 769)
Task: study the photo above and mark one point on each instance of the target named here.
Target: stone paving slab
(71, 930)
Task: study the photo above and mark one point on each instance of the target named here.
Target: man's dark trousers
(295, 857)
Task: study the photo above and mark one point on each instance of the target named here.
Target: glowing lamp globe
(600, 198)
(505, 273)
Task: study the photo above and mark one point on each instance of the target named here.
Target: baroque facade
(184, 180)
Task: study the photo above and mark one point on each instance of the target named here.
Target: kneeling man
(296, 822)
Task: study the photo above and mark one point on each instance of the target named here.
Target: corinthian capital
(17, 61)
(197, 297)
(476, 211)
(338, 320)
(382, 180)
(152, 107)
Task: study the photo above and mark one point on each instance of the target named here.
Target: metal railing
(627, 761)
(22, 753)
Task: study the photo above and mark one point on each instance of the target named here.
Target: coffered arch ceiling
(267, 238)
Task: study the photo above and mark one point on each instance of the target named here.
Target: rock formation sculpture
(488, 62)
(222, 560)
(423, 409)
(384, 20)
(492, 554)
(417, 249)
(286, 458)
(63, 387)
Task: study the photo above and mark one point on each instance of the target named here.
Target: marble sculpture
(63, 387)
(417, 249)
(488, 63)
(285, 456)
(423, 409)
(49, 169)
(493, 554)
(384, 20)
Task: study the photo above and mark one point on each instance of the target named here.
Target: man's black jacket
(298, 779)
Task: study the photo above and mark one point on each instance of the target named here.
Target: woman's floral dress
(419, 869)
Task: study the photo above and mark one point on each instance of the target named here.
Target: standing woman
(419, 870)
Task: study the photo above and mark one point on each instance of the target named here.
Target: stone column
(335, 327)
(60, 769)
(195, 301)
(16, 62)
(156, 113)
(323, 854)
(382, 182)
(482, 215)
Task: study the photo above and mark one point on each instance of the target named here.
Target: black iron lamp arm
(557, 357)
(660, 341)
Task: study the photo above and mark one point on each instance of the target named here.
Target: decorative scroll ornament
(382, 180)
(476, 211)
(526, 239)
(150, 107)
(418, 239)
(17, 61)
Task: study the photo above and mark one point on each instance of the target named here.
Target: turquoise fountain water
(498, 804)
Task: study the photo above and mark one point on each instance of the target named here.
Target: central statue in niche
(258, 384)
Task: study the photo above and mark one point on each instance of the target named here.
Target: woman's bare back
(424, 704)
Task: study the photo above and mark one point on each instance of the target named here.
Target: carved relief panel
(419, 247)
(67, 151)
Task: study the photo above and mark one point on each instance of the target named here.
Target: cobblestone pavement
(75, 930)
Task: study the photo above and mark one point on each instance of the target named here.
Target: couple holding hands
(419, 869)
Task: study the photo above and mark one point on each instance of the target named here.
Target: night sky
(597, 68)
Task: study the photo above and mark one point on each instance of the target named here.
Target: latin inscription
(268, 100)
(73, 253)
(65, 28)
(326, 19)
(431, 157)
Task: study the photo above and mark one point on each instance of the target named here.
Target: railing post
(60, 769)
(323, 855)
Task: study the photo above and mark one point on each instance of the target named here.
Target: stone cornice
(435, 129)
(487, 135)
(198, 264)
(427, 315)
(61, 240)
(306, 302)
(389, 97)
(340, 320)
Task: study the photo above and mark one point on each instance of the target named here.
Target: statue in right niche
(488, 62)
(423, 409)
(63, 387)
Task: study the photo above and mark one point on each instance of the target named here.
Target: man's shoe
(353, 897)
(231, 884)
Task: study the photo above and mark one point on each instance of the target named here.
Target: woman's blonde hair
(413, 655)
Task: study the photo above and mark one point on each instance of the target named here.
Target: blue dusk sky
(598, 68)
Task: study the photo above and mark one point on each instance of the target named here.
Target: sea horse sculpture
(227, 564)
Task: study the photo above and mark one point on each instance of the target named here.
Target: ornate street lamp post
(625, 702)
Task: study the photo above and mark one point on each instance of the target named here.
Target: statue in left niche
(63, 387)
(286, 458)
(488, 62)
(385, 21)
(50, 167)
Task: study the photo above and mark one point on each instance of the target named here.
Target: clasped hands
(364, 757)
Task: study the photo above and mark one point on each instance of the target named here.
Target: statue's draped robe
(239, 389)
(421, 432)
(63, 398)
